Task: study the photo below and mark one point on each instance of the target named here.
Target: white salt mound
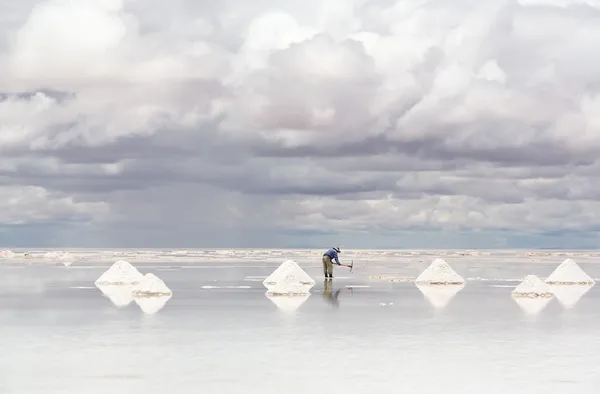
(120, 273)
(439, 273)
(569, 273)
(151, 285)
(289, 279)
(533, 287)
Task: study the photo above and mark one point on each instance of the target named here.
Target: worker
(328, 257)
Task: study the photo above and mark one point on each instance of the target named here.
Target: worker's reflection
(329, 296)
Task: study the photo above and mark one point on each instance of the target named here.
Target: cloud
(365, 122)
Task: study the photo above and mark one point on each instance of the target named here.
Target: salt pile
(439, 296)
(569, 273)
(289, 279)
(532, 287)
(6, 254)
(151, 286)
(120, 273)
(288, 304)
(119, 295)
(439, 273)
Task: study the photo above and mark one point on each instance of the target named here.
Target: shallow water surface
(220, 333)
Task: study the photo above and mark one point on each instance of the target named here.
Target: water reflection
(439, 295)
(329, 295)
(568, 295)
(120, 295)
(152, 304)
(532, 306)
(287, 303)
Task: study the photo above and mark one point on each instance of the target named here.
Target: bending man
(328, 257)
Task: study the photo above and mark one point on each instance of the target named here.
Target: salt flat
(220, 333)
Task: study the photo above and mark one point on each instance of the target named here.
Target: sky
(294, 123)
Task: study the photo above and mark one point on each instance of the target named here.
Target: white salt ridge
(288, 304)
(439, 273)
(119, 295)
(120, 273)
(226, 287)
(439, 296)
(181, 253)
(151, 285)
(289, 279)
(568, 295)
(53, 255)
(7, 254)
(67, 259)
(532, 287)
(569, 273)
(151, 305)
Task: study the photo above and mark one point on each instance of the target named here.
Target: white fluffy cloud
(356, 119)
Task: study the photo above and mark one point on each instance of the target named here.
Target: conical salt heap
(289, 279)
(439, 273)
(533, 287)
(151, 286)
(120, 273)
(569, 273)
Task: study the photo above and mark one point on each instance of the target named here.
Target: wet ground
(220, 333)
